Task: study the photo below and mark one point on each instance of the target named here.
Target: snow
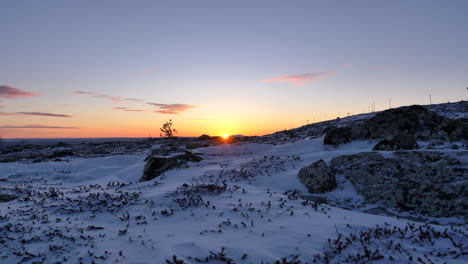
(253, 219)
(242, 221)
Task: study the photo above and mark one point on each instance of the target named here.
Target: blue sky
(249, 67)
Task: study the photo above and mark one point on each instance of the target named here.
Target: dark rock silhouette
(155, 166)
(400, 142)
(412, 120)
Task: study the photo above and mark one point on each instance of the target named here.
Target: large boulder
(429, 183)
(400, 142)
(338, 136)
(204, 137)
(155, 166)
(412, 120)
(4, 197)
(318, 177)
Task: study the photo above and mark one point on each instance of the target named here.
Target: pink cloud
(134, 110)
(162, 108)
(172, 109)
(167, 112)
(9, 92)
(301, 79)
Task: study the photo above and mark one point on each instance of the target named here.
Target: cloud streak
(35, 114)
(42, 114)
(38, 127)
(9, 92)
(301, 79)
(106, 96)
(168, 109)
(172, 109)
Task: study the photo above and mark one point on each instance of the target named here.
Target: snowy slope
(94, 211)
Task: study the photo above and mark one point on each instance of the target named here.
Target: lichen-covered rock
(412, 120)
(155, 166)
(430, 183)
(318, 177)
(7, 197)
(338, 136)
(399, 142)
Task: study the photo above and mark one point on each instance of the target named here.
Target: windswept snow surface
(94, 211)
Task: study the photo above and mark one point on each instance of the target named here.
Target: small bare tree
(167, 130)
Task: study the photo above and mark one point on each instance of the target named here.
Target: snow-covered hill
(243, 203)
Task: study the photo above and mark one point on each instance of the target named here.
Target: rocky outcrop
(7, 197)
(318, 177)
(400, 142)
(155, 166)
(204, 137)
(412, 120)
(429, 183)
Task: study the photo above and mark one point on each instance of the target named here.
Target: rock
(455, 146)
(195, 145)
(62, 153)
(426, 182)
(155, 166)
(204, 137)
(314, 198)
(189, 156)
(379, 210)
(338, 136)
(408, 120)
(7, 197)
(318, 177)
(400, 142)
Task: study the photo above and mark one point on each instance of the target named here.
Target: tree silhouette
(167, 130)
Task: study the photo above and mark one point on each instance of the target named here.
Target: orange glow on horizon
(225, 136)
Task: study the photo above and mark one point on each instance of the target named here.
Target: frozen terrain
(243, 203)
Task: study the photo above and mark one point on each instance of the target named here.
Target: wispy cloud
(9, 92)
(162, 108)
(101, 96)
(135, 110)
(133, 99)
(301, 79)
(38, 127)
(35, 114)
(108, 97)
(172, 109)
(43, 114)
(130, 110)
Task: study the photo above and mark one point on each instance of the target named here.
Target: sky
(123, 68)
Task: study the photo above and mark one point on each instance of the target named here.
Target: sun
(225, 136)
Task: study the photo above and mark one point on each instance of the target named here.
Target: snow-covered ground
(239, 205)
